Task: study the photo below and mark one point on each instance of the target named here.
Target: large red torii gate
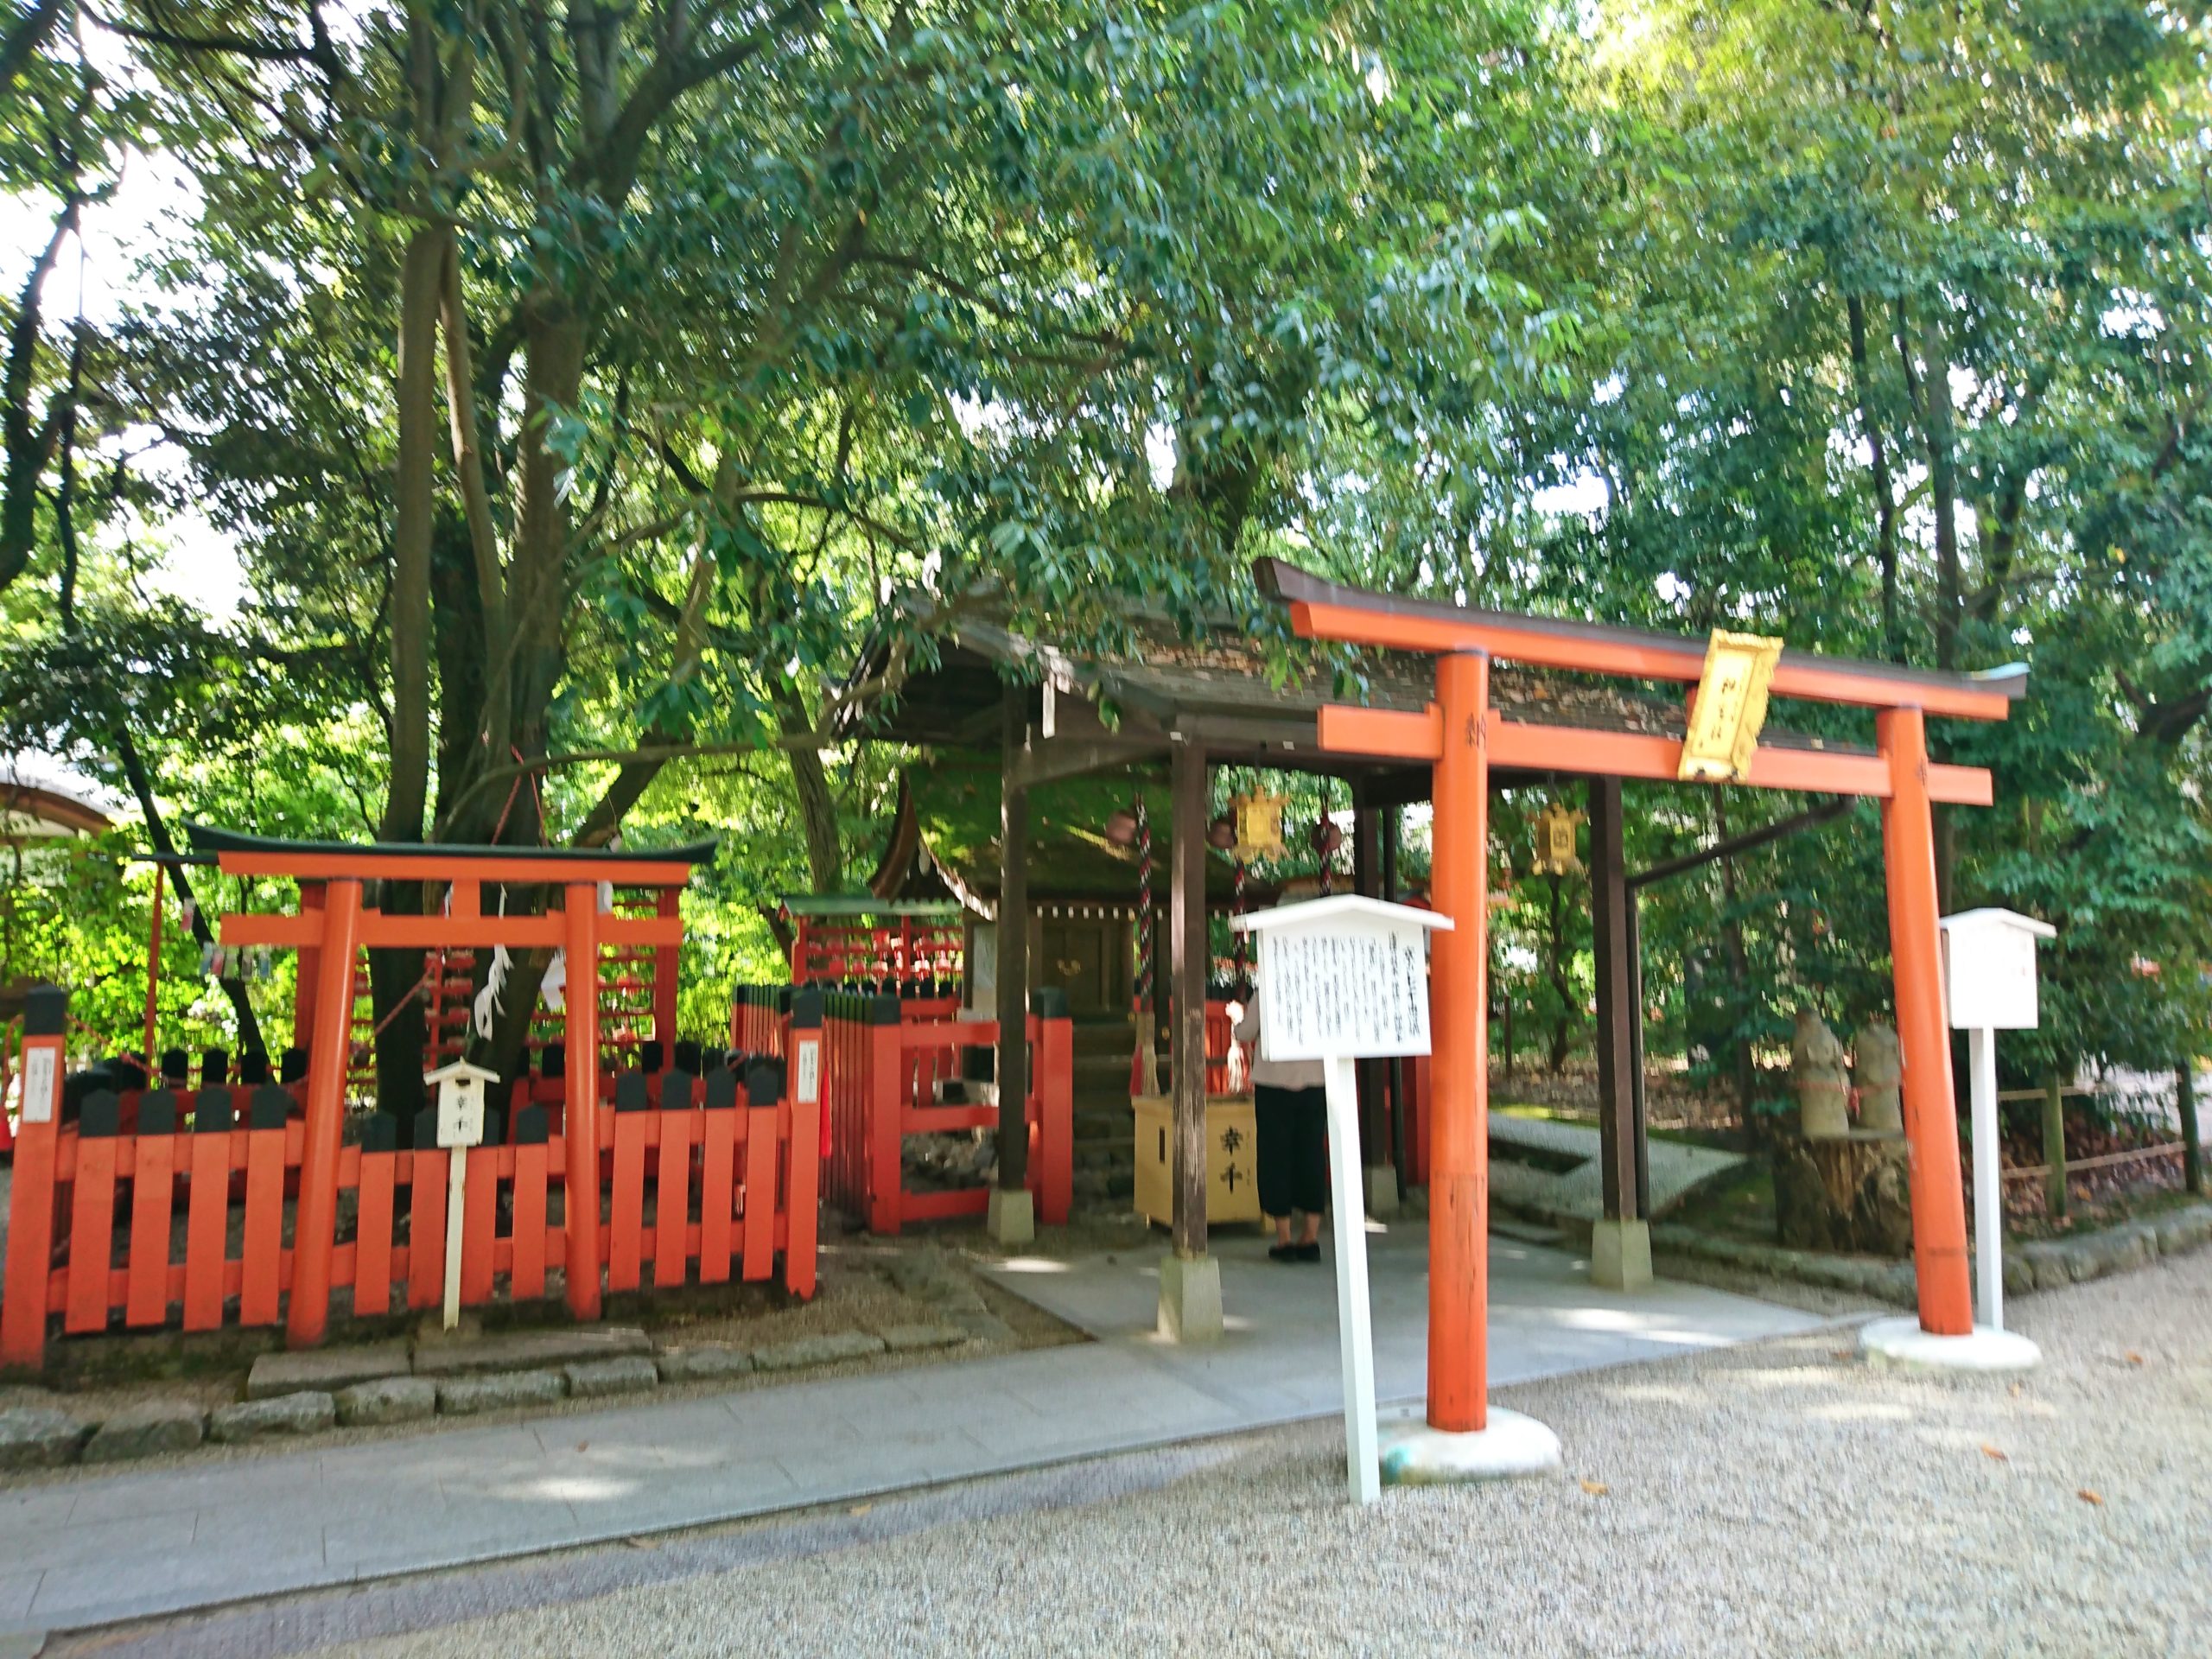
(1462, 737)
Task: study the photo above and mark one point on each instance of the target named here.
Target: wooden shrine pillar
(1620, 1245)
(1931, 1116)
(667, 958)
(1012, 1218)
(315, 1221)
(1398, 1072)
(1189, 1280)
(1382, 1186)
(1459, 1105)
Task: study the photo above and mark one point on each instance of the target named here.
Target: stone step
(325, 1371)
(1095, 1189)
(1102, 1037)
(522, 1350)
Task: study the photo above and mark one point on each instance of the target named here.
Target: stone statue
(1880, 1073)
(1820, 1077)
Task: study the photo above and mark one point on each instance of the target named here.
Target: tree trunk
(1556, 967)
(395, 975)
(1885, 505)
(413, 500)
(1739, 967)
(29, 441)
(142, 787)
(1931, 394)
(817, 803)
(520, 692)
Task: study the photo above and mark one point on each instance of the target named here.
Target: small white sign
(1989, 970)
(1989, 986)
(806, 1088)
(39, 1065)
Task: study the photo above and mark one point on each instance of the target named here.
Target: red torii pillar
(1458, 1125)
(579, 1120)
(1931, 1113)
(314, 1223)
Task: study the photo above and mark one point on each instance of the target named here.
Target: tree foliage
(612, 406)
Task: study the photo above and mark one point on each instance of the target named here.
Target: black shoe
(1306, 1252)
(1283, 1252)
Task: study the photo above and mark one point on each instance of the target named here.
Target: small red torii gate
(332, 924)
(1462, 738)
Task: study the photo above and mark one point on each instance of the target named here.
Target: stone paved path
(93, 1549)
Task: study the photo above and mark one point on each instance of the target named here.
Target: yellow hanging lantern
(1259, 825)
(1556, 840)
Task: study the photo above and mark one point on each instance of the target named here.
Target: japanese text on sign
(1350, 991)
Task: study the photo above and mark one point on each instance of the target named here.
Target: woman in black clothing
(1290, 1110)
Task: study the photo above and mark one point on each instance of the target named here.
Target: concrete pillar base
(1190, 1298)
(1901, 1342)
(1620, 1255)
(1011, 1216)
(1382, 1191)
(1511, 1447)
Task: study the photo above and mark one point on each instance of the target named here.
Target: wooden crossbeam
(1530, 746)
(455, 932)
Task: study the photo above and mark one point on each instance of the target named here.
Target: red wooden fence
(907, 952)
(881, 1076)
(159, 1209)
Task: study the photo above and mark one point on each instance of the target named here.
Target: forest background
(515, 420)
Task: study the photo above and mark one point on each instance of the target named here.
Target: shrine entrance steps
(1105, 1151)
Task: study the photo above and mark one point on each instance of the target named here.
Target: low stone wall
(2049, 1263)
(308, 1393)
(2042, 1264)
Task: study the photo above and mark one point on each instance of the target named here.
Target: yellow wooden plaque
(1731, 707)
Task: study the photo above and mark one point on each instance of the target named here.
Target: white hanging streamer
(487, 1004)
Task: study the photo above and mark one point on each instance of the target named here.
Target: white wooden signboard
(1989, 986)
(1345, 979)
(1989, 970)
(460, 1125)
(39, 1066)
(1342, 977)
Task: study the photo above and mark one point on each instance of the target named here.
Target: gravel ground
(1777, 1498)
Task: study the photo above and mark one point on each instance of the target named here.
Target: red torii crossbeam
(1462, 738)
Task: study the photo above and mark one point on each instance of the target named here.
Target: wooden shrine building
(1558, 700)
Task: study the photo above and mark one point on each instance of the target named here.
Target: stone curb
(2040, 1264)
(35, 1438)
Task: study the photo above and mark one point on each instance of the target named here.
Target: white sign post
(1989, 986)
(1346, 979)
(460, 1125)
